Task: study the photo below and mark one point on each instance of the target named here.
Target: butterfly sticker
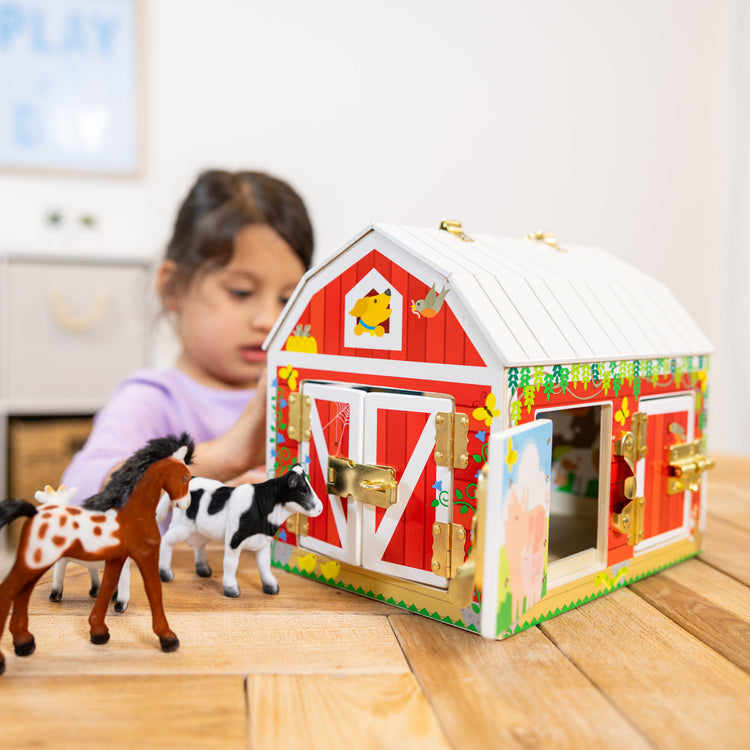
(289, 374)
(487, 412)
(511, 456)
(623, 412)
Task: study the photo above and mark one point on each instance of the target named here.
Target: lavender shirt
(149, 404)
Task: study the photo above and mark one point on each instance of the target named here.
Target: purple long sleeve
(149, 404)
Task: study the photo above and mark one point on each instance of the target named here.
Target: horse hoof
(233, 593)
(120, 607)
(55, 596)
(267, 589)
(167, 576)
(204, 571)
(93, 592)
(25, 649)
(169, 644)
(100, 639)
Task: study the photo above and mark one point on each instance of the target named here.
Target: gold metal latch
(630, 520)
(632, 447)
(299, 416)
(455, 228)
(369, 484)
(451, 440)
(547, 238)
(686, 464)
(448, 540)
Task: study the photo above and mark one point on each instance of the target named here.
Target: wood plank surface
(727, 548)
(712, 606)
(662, 664)
(341, 712)
(671, 686)
(214, 643)
(521, 692)
(158, 712)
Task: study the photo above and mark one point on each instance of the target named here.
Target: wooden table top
(664, 663)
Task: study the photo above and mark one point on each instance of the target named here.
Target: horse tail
(12, 509)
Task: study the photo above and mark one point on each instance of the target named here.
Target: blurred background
(620, 125)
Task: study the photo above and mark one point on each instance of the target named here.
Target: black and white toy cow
(245, 517)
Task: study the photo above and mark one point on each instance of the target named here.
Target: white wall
(609, 123)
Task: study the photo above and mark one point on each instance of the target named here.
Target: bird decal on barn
(430, 306)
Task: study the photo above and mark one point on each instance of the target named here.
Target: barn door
(336, 429)
(400, 433)
(667, 513)
(514, 527)
(381, 438)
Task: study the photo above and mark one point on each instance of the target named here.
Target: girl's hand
(240, 448)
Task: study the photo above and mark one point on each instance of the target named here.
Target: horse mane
(123, 481)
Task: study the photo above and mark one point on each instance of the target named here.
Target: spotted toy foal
(118, 523)
(243, 517)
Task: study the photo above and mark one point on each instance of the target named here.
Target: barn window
(579, 499)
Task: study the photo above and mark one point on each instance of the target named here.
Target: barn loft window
(579, 500)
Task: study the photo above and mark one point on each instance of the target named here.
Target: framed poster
(69, 99)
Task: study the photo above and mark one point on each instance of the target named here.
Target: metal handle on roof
(547, 238)
(454, 227)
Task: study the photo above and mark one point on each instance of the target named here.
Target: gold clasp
(686, 464)
(455, 228)
(369, 484)
(547, 238)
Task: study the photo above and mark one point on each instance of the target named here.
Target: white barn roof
(537, 304)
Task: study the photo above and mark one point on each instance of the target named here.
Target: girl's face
(225, 314)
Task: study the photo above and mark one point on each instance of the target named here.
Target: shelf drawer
(74, 330)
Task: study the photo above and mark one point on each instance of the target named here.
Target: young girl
(241, 242)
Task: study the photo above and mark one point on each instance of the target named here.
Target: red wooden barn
(499, 429)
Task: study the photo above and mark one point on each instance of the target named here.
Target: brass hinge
(365, 483)
(298, 524)
(299, 416)
(448, 541)
(451, 440)
(632, 447)
(455, 228)
(630, 520)
(686, 464)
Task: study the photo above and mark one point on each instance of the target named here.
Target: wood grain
(158, 712)
(341, 713)
(663, 664)
(707, 603)
(214, 643)
(727, 548)
(670, 685)
(521, 693)
(189, 592)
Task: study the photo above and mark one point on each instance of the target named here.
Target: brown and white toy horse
(113, 525)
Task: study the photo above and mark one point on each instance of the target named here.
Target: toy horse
(243, 517)
(117, 523)
(63, 495)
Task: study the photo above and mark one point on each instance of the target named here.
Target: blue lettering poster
(69, 85)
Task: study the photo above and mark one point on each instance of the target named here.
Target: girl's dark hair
(219, 205)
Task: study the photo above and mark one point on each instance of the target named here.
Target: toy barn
(500, 429)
